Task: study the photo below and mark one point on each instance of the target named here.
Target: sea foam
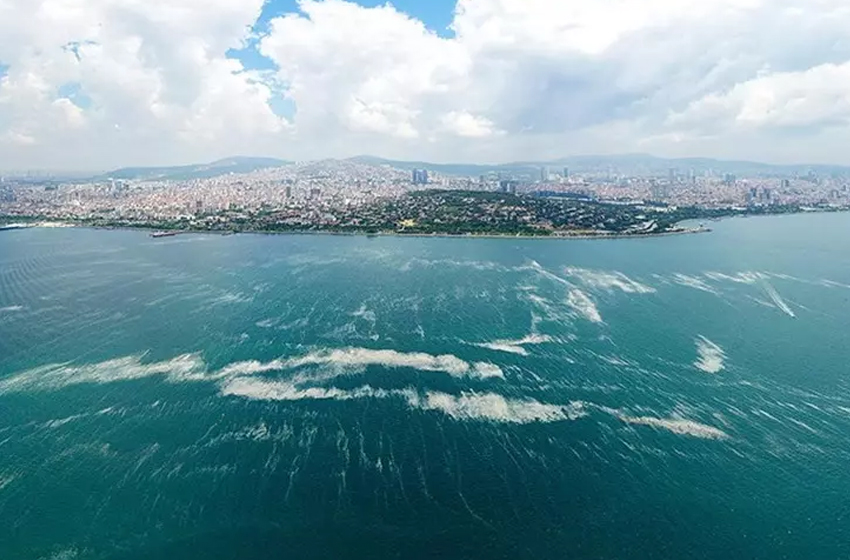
(680, 426)
(608, 281)
(466, 406)
(56, 376)
(516, 346)
(694, 282)
(495, 408)
(584, 306)
(777, 299)
(362, 357)
(265, 390)
(6, 480)
(739, 278)
(192, 368)
(710, 356)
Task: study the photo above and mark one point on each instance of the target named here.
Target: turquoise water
(252, 397)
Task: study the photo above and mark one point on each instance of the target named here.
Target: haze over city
(111, 83)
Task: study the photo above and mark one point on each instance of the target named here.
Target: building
(671, 175)
(420, 176)
(752, 196)
(508, 186)
(659, 192)
(566, 173)
(729, 179)
(544, 174)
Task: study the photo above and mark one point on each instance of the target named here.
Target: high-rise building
(752, 195)
(544, 174)
(288, 192)
(671, 176)
(729, 179)
(420, 176)
(508, 186)
(566, 173)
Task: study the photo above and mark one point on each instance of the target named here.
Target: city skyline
(118, 83)
(620, 163)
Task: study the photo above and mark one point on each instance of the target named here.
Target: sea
(253, 397)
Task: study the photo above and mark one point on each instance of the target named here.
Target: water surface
(253, 396)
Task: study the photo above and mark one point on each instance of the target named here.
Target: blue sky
(435, 14)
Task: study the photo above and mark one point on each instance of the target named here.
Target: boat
(158, 234)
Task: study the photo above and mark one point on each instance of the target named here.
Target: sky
(99, 84)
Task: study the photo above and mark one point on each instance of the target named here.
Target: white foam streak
(191, 367)
(362, 357)
(777, 299)
(466, 406)
(608, 281)
(228, 298)
(11, 308)
(516, 346)
(834, 284)
(693, 282)
(740, 278)
(6, 480)
(710, 356)
(262, 390)
(59, 422)
(57, 376)
(678, 426)
(252, 367)
(475, 265)
(536, 267)
(584, 306)
(495, 408)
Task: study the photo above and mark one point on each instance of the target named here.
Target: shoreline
(23, 222)
(17, 225)
(226, 233)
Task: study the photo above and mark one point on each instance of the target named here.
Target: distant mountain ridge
(196, 171)
(628, 164)
(622, 164)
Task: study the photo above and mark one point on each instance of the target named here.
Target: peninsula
(374, 197)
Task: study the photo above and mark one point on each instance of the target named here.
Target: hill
(196, 171)
(624, 164)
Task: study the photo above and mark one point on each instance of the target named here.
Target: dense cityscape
(349, 196)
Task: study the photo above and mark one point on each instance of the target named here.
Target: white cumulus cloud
(153, 82)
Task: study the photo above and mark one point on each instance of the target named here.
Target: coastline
(25, 223)
(224, 233)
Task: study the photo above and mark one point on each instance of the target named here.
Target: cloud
(514, 79)
(816, 97)
(155, 76)
(467, 125)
